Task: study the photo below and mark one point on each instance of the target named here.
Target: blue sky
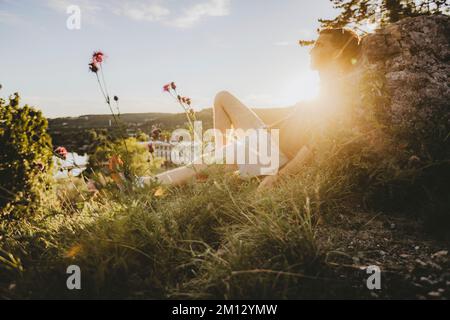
(248, 47)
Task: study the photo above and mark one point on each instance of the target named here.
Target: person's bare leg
(180, 175)
(229, 113)
(183, 174)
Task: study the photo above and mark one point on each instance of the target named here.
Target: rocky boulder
(412, 58)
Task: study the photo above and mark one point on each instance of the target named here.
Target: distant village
(82, 134)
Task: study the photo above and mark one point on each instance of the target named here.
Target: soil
(413, 263)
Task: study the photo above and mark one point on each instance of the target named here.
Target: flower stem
(104, 91)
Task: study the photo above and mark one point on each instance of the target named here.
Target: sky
(247, 47)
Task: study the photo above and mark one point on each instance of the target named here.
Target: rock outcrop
(412, 57)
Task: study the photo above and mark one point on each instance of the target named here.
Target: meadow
(375, 193)
(218, 237)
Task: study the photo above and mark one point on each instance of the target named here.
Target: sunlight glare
(302, 87)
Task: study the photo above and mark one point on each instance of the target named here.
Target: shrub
(136, 155)
(25, 157)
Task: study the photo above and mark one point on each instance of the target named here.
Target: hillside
(373, 196)
(74, 132)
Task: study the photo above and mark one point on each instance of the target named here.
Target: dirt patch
(413, 264)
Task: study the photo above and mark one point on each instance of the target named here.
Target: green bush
(136, 158)
(26, 155)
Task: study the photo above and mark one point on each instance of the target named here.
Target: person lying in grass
(333, 56)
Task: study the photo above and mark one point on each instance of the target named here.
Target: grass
(220, 238)
(197, 241)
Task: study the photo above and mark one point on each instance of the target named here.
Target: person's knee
(221, 97)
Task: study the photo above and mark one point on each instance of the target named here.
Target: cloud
(142, 12)
(89, 8)
(211, 8)
(85, 5)
(148, 11)
(283, 43)
(9, 18)
(136, 10)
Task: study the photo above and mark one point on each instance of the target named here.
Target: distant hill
(142, 121)
(75, 132)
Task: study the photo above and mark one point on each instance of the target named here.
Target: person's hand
(268, 183)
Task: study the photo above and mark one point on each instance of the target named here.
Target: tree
(25, 157)
(357, 13)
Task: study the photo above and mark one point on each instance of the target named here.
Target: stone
(439, 254)
(434, 294)
(412, 56)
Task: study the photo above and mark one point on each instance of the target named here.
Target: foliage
(79, 134)
(184, 102)
(217, 237)
(141, 162)
(214, 238)
(357, 13)
(26, 155)
(145, 246)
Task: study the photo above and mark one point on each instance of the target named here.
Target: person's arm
(291, 168)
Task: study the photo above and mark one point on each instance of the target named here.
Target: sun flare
(303, 87)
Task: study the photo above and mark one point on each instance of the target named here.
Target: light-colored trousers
(228, 113)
